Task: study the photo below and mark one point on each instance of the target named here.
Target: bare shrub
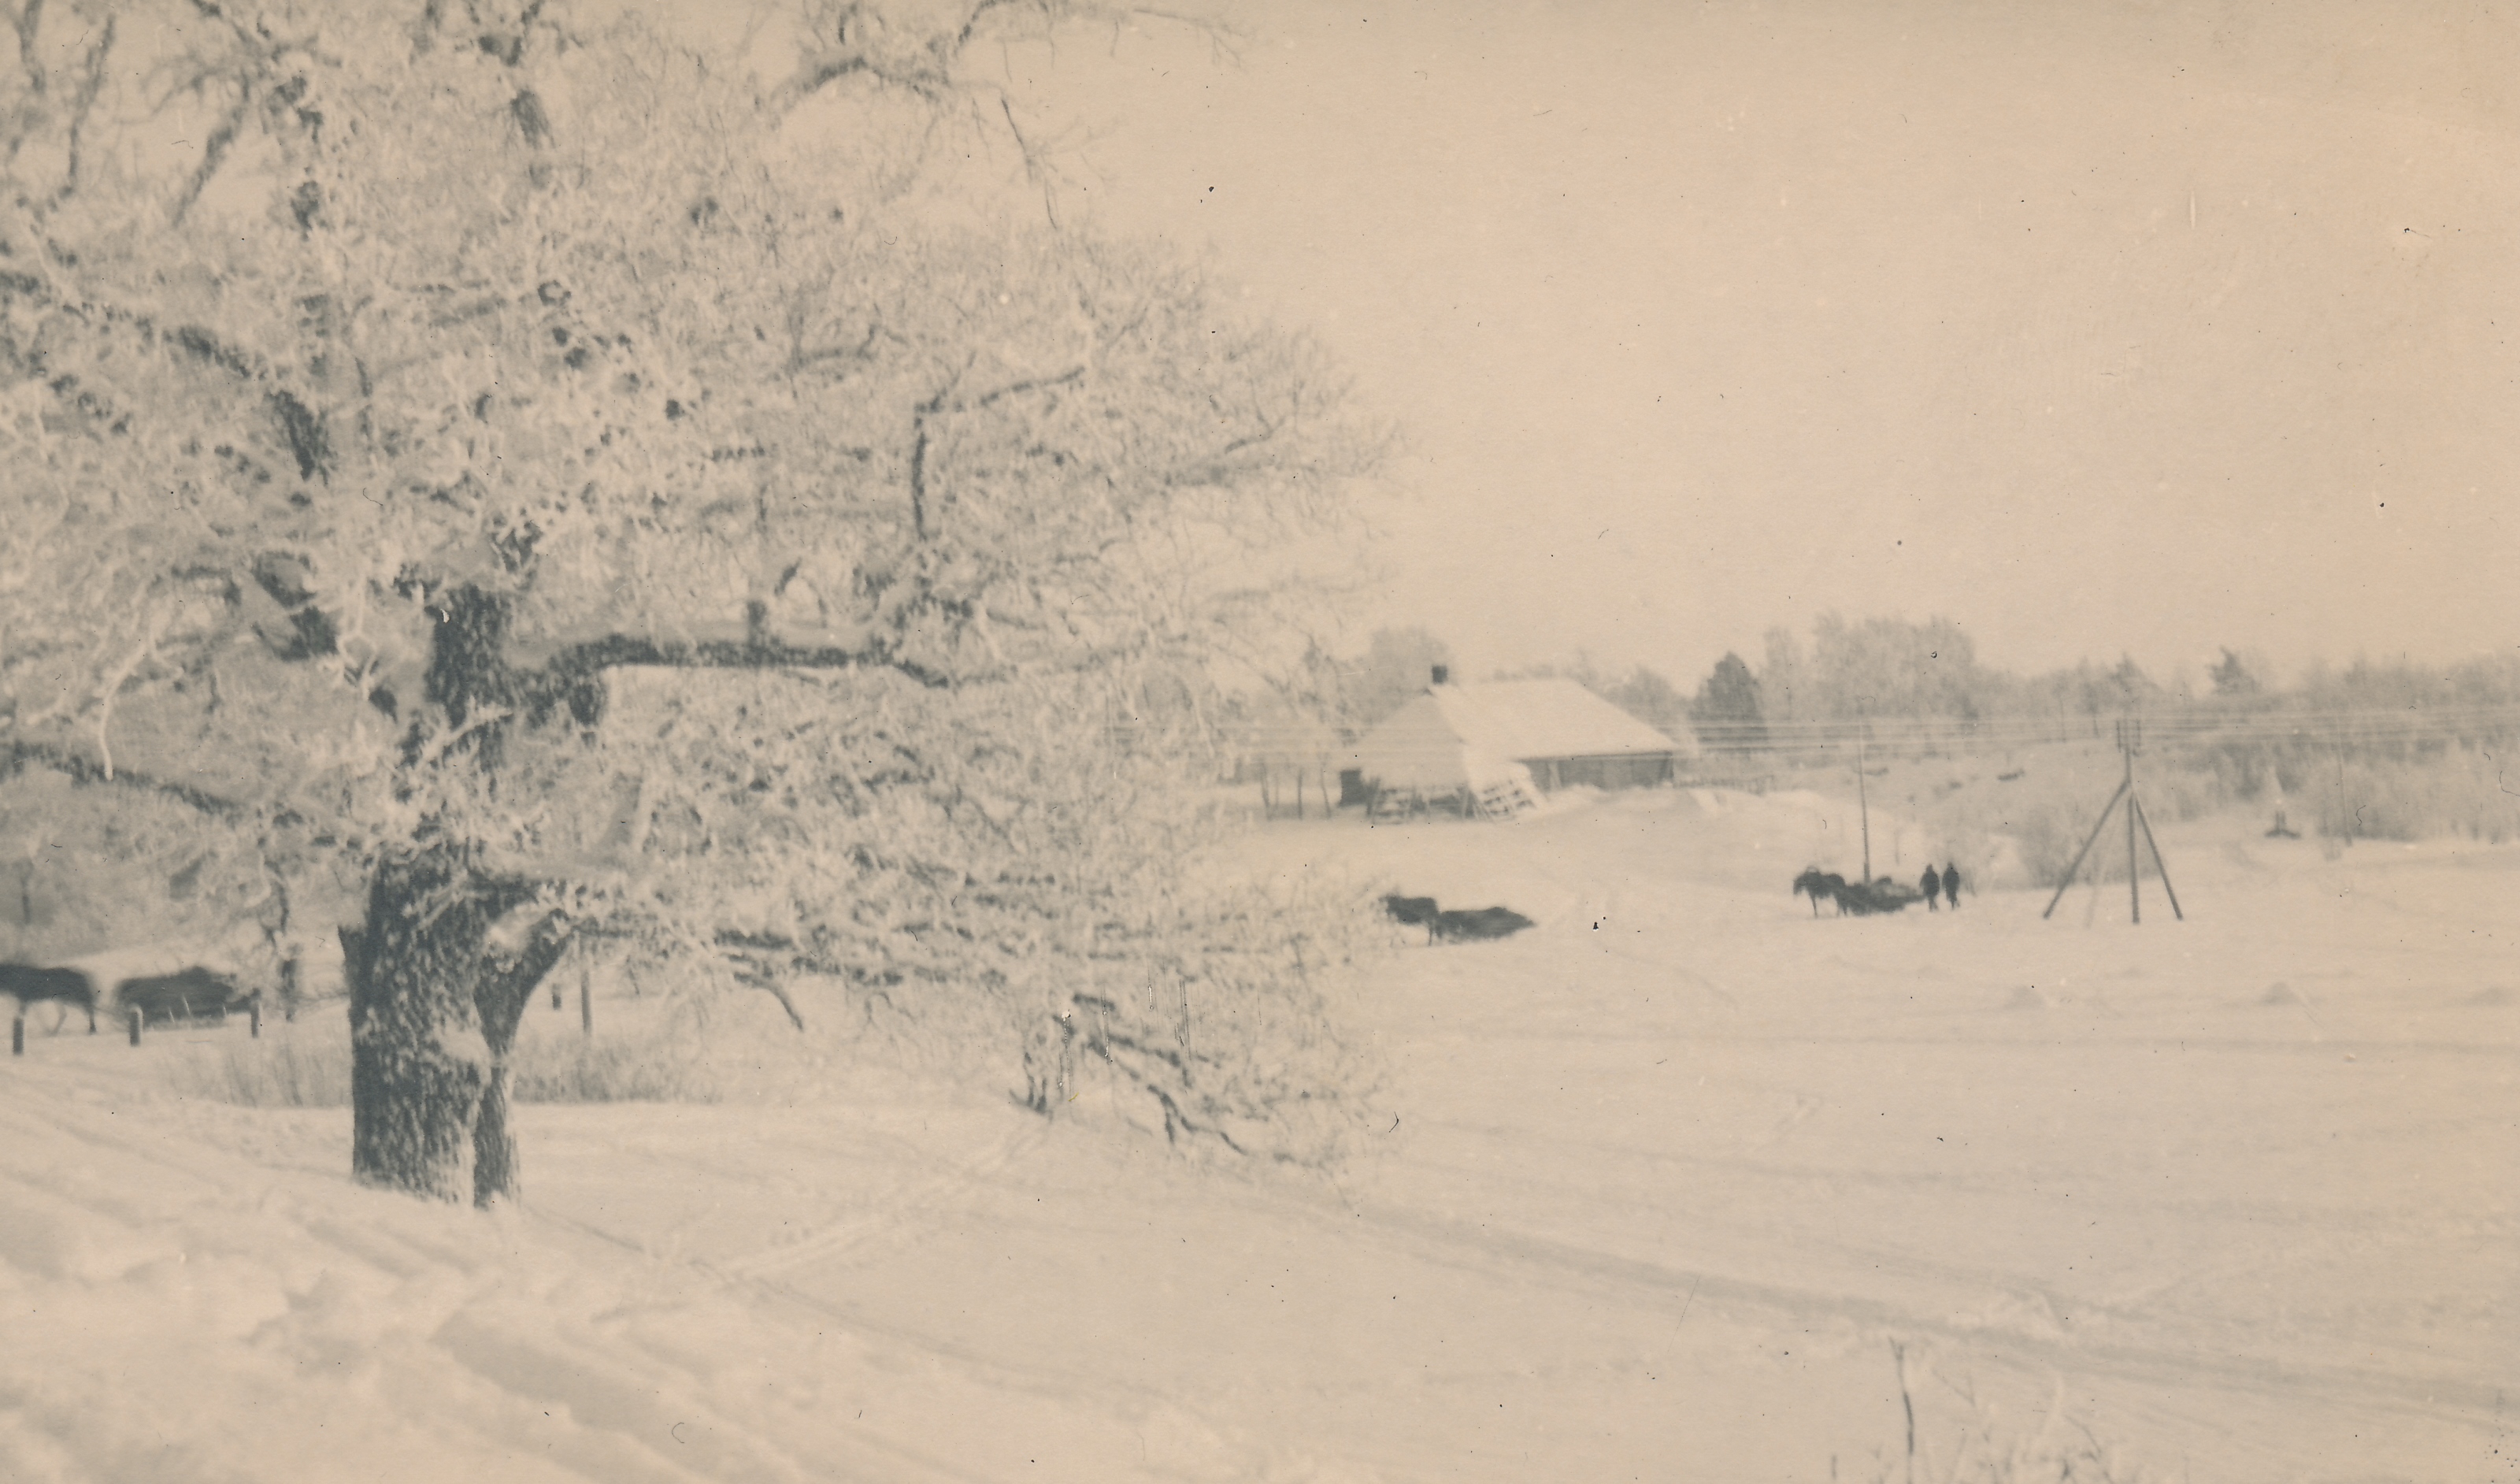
(306, 1063)
(634, 1068)
(1981, 1444)
(301, 1063)
(2461, 791)
(2430, 792)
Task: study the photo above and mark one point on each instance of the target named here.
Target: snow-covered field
(1681, 1184)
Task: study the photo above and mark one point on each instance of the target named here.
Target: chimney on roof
(1438, 676)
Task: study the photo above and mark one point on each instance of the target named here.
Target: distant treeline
(2375, 749)
(1916, 688)
(1894, 680)
(1889, 671)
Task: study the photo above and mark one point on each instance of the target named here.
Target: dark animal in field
(1816, 883)
(1932, 885)
(1952, 885)
(28, 984)
(1468, 926)
(192, 994)
(2005, 778)
(1412, 911)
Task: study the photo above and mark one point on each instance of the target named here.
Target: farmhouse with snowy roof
(1494, 746)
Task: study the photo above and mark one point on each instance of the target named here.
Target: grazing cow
(1932, 885)
(1952, 884)
(191, 994)
(1410, 911)
(1485, 922)
(27, 984)
(1817, 884)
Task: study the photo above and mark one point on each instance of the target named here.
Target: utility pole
(2130, 737)
(1863, 806)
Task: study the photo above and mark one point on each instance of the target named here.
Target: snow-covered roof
(1524, 719)
(1456, 736)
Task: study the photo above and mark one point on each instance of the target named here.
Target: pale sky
(2097, 326)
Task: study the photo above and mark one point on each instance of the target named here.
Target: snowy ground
(1680, 1184)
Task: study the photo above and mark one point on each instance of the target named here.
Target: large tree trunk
(495, 1174)
(502, 994)
(432, 1016)
(417, 1060)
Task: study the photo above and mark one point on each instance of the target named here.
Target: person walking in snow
(1931, 885)
(1952, 884)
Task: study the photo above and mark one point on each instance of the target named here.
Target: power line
(1823, 738)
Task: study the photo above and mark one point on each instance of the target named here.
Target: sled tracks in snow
(1550, 1262)
(896, 1216)
(905, 1215)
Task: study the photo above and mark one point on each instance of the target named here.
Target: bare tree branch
(505, 985)
(83, 103)
(18, 756)
(31, 21)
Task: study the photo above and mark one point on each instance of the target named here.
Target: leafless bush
(306, 1063)
(1981, 1444)
(300, 1064)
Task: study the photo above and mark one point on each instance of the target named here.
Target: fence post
(16, 1035)
(135, 1027)
(254, 1009)
(586, 997)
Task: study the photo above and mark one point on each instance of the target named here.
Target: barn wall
(1633, 772)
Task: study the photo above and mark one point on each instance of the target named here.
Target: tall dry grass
(306, 1063)
(295, 1064)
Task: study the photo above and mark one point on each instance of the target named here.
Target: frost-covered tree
(1394, 670)
(2231, 676)
(388, 463)
(1727, 707)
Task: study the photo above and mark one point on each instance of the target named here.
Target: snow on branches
(364, 451)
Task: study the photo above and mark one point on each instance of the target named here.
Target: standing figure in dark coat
(1930, 884)
(1952, 884)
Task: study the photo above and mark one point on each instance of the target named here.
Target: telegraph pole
(2128, 735)
(2130, 738)
(1864, 807)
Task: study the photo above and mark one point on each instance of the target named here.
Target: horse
(1817, 884)
(1484, 923)
(189, 994)
(1411, 912)
(27, 984)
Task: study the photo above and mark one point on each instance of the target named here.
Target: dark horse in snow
(1855, 898)
(1454, 927)
(1472, 927)
(27, 984)
(191, 994)
(1816, 883)
(1413, 911)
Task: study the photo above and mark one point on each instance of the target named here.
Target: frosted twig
(113, 685)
